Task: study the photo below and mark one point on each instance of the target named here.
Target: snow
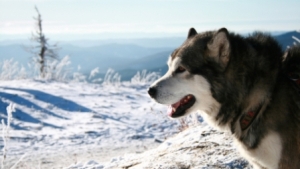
(85, 125)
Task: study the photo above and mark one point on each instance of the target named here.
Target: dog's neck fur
(250, 96)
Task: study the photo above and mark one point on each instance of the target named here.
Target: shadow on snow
(22, 116)
(59, 102)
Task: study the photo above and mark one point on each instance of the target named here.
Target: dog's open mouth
(179, 108)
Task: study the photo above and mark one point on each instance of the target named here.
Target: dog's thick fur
(228, 76)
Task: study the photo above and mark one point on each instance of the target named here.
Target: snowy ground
(69, 125)
(57, 124)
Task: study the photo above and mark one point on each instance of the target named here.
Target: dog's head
(187, 86)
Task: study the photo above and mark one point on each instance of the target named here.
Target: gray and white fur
(229, 75)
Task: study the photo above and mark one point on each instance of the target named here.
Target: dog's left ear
(219, 47)
(192, 32)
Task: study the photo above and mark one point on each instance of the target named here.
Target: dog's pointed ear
(219, 47)
(192, 32)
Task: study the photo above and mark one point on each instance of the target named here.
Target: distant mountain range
(107, 56)
(127, 56)
(285, 39)
(104, 56)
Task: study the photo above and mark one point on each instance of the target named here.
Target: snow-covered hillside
(57, 124)
(76, 125)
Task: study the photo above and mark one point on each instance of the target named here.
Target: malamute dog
(244, 85)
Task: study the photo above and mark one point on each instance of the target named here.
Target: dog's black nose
(152, 92)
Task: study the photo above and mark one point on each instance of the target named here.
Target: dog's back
(289, 96)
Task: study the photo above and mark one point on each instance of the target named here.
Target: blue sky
(92, 19)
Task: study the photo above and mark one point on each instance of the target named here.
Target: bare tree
(43, 52)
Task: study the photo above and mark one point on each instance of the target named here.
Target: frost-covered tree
(43, 53)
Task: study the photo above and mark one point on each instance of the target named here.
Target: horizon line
(122, 35)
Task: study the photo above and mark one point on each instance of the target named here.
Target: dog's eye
(180, 69)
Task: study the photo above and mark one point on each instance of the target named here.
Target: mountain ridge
(127, 56)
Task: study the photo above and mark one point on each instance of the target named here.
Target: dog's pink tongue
(172, 108)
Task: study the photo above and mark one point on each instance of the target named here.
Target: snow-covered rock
(196, 147)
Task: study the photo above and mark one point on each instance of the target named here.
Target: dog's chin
(181, 107)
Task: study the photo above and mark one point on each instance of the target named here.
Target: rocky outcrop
(196, 147)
